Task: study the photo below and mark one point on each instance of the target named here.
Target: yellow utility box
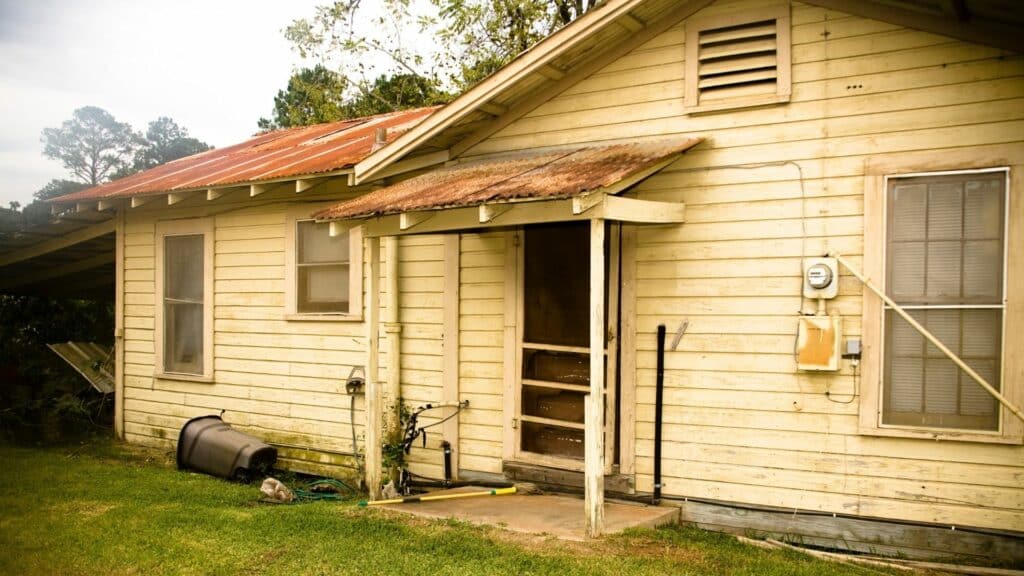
(817, 342)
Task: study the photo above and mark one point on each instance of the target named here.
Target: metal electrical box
(818, 342)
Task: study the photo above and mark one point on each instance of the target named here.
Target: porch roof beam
(594, 206)
(59, 243)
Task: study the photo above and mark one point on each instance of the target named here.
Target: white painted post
(450, 350)
(393, 329)
(594, 414)
(373, 410)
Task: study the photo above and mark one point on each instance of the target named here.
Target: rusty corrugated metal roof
(303, 151)
(532, 175)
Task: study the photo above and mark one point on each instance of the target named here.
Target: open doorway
(553, 345)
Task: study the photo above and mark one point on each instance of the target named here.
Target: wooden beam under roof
(175, 197)
(52, 272)
(59, 243)
(141, 200)
(305, 184)
(551, 72)
(493, 108)
(631, 23)
(521, 213)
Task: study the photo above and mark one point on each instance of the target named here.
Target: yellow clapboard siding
(243, 312)
(950, 473)
(481, 402)
(224, 260)
(482, 448)
(249, 273)
(286, 382)
(425, 347)
(283, 368)
(249, 299)
(803, 499)
(421, 284)
(251, 232)
(835, 29)
(248, 286)
(679, 186)
(751, 285)
(480, 463)
(307, 341)
(249, 246)
(132, 322)
(775, 247)
(483, 275)
(139, 264)
(480, 321)
(421, 253)
(482, 433)
(309, 356)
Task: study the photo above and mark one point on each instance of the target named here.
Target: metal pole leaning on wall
(931, 338)
(659, 395)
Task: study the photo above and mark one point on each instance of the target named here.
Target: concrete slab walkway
(558, 515)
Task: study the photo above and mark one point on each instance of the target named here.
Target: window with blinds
(738, 60)
(322, 269)
(945, 241)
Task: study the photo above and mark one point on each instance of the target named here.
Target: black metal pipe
(446, 446)
(659, 393)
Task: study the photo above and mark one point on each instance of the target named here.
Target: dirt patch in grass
(261, 561)
(84, 508)
(635, 545)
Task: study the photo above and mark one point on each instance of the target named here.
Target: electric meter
(821, 278)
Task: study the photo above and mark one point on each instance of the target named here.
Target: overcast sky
(213, 66)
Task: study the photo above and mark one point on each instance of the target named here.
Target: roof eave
(530, 61)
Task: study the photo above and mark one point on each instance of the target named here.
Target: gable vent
(739, 62)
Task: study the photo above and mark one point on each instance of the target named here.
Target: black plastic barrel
(210, 445)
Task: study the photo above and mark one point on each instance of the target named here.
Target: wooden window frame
(188, 227)
(877, 173)
(298, 214)
(783, 82)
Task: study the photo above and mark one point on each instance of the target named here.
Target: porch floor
(561, 516)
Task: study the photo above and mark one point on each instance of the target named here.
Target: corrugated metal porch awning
(550, 185)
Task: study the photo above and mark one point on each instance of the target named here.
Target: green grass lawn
(105, 508)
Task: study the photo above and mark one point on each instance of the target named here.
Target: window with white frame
(945, 263)
(185, 290)
(323, 272)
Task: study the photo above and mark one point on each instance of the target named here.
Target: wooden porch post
(594, 417)
(373, 410)
(393, 329)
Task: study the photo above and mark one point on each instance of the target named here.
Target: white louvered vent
(737, 63)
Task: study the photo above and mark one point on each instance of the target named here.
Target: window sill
(183, 377)
(942, 434)
(295, 317)
(738, 104)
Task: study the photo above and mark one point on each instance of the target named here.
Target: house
(686, 164)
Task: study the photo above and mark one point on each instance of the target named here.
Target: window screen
(183, 304)
(322, 269)
(557, 285)
(944, 262)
